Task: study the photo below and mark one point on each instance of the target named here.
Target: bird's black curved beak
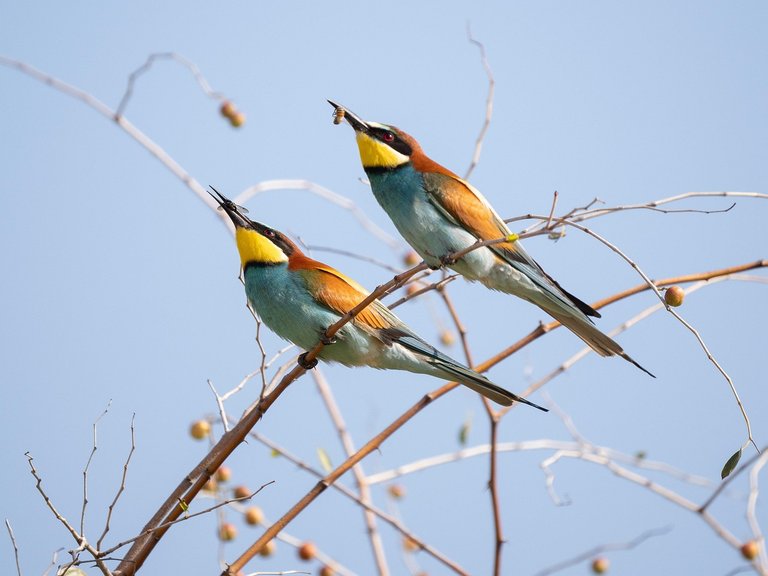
(236, 213)
(357, 123)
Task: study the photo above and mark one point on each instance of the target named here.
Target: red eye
(388, 137)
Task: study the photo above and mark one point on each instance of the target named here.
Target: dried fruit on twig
(750, 549)
(241, 491)
(200, 429)
(227, 532)
(447, 338)
(674, 296)
(396, 491)
(268, 549)
(228, 109)
(410, 545)
(600, 565)
(237, 119)
(211, 485)
(411, 258)
(413, 287)
(253, 515)
(223, 474)
(307, 551)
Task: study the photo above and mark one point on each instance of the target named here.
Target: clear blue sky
(119, 284)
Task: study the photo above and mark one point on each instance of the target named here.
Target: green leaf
(465, 429)
(275, 453)
(325, 461)
(731, 464)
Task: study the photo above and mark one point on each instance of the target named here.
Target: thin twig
(488, 104)
(122, 483)
(325, 194)
(754, 488)
(674, 313)
(87, 466)
(460, 328)
(15, 546)
(604, 548)
(184, 518)
(494, 490)
(583, 213)
(82, 542)
(192, 67)
(427, 288)
(219, 405)
(552, 210)
(654, 287)
(354, 255)
(533, 445)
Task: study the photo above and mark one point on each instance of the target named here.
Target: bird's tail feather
(452, 370)
(483, 386)
(602, 344)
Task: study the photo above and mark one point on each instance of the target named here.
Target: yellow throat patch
(376, 154)
(254, 247)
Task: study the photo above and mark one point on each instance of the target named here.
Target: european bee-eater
(439, 213)
(299, 298)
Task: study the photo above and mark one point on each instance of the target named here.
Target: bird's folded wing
(340, 293)
(464, 205)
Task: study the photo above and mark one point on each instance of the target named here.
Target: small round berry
(600, 565)
(750, 549)
(307, 551)
(223, 474)
(253, 515)
(411, 258)
(396, 491)
(413, 288)
(447, 338)
(200, 429)
(409, 544)
(227, 532)
(241, 491)
(674, 296)
(211, 485)
(268, 549)
(228, 109)
(326, 571)
(237, 119)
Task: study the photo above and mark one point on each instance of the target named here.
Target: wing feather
(341, 293)
(464, 205)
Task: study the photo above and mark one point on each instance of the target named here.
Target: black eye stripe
(392, 140)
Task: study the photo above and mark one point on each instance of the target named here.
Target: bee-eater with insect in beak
(298, 298)
(439, 213)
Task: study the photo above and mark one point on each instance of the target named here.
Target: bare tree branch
(151, 59)
(15, 546)
(488, 104)
(604, 548)
(122, 484)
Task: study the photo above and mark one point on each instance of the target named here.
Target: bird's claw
(307, 364)
(447, 260)
(327, 341)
